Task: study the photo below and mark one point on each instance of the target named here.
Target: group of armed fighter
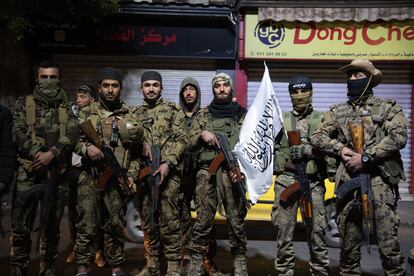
(97, 154)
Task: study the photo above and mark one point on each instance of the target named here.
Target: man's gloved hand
(300, 151)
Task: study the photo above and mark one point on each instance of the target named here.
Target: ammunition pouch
(392, 171)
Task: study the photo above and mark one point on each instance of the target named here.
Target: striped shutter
(79, 69)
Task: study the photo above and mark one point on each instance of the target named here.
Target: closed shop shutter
(80, 69)
(330, 88)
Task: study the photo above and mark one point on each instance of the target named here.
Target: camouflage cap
(365, 66)
(222, 77)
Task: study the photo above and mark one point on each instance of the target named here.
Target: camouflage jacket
(161, 123)
(101, 118)
(190, 125)
(46, 120)
(385, 133)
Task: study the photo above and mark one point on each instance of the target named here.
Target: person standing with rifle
(110, 143)
(44, 132)
(299, 183)
(190, 99)
(160, 192)
(224, 116)
(366, 134)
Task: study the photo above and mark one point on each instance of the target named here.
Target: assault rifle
(227, 155)
(152, 182)
(302, 186)
(112, 167)
(47, 189)
(362, 181)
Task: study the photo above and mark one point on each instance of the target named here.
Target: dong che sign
(393, 40)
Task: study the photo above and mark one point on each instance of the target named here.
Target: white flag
(255, 149)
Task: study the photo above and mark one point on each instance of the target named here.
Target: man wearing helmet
(385, 133)
(225, 116)
(104, 208)
(305, 119)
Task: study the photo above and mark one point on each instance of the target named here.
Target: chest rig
(230, 126)
(290, 123)
(373, 115)
(40, 121)
(106, 124)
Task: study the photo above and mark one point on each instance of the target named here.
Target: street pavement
(261, 250)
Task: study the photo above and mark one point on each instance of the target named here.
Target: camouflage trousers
(386, 223)
(22, 219)
(162, 228)
(285, 218)
(206, 206)
(188, 186)
(99, 211)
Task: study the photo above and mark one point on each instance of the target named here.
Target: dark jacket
(7, 148)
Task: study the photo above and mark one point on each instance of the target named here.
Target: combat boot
(196, 265)
(173, 268)
(240, 265)
(18, 271)
(46, 269)
(153, 267)
(211, 268)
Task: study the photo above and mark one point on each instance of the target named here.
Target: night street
(261, 253)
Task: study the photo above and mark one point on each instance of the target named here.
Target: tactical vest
(283, 155)
(31, 120)
(392, 169)
(229, 126)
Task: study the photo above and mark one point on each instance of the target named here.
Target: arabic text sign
(329, 40)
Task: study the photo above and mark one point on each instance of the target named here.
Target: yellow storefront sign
(391, 40)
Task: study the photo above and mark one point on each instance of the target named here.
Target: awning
(306, 14)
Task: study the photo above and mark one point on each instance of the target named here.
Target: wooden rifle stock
(294, 137)
(216, 163)
(90, 132)
(288, 192)
(144, 172)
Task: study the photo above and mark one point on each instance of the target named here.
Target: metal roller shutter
(328, 92)
(78, 69)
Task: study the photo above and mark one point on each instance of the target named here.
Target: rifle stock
(356, 130)
(305, 200)
(216, 163)
(288, 192)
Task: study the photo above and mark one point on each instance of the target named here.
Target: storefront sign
(391, 40)
(179, 41)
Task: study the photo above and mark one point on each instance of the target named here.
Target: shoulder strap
(31, 116)
(314, 122)
(63, 120)
(94, 116)
(289, 121)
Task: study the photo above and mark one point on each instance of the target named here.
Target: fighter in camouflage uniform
(161, 122)
(385, 133)
(304, 119)
(225, 116)
(190, 98)
(104, 208)
(46, 112)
